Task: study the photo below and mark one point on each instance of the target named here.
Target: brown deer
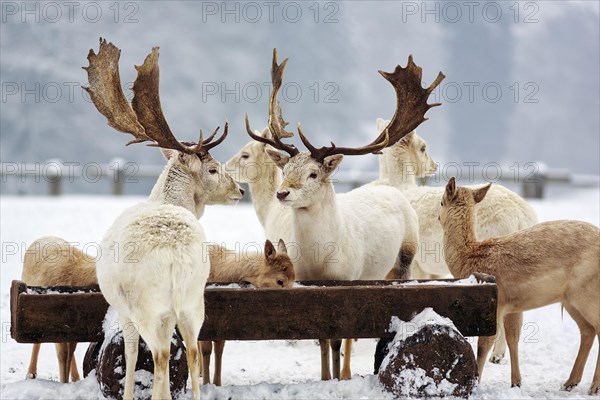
(52, 261)
(551, 262)
(338, 225)
(271, 270)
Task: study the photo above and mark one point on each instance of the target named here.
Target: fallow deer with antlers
(357, 235)
(153, 267)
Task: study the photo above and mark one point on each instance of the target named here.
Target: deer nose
(242, 191)
(282, 195)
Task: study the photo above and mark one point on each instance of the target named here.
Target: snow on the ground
(277, 369)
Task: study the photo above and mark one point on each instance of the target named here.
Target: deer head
(411, 149)
(195, 176)
(277, 270)
(306, 175)
(457, 201)
(251, 163)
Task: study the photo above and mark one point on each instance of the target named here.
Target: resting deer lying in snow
(52, 261)
(152, 268)
(252, 165)
(502, 213)
(270, 269)
(360, 234)
(557, 261)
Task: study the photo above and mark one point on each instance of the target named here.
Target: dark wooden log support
(320, 310)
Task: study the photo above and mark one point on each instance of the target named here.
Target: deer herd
(378, 231)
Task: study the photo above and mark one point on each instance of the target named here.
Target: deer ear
(269, 249)
(278, 158)
(330, 163)
(266, 133)
(168, 153)
(408, 137)
(381, 123)
(480, 193)
(451, 188)
(281, 248)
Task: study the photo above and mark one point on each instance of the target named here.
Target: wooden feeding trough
(311, 310)
(316, 310)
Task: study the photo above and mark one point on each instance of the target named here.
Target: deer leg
(131, 343)
(219, 345)
(71, 363)
(587, 340)
(62, 354)
(325, 372)
(484, 344)
(32, 370)
(160, 356)
(336, 345)
(512, 329)
(595, 388)
(346, 372)
(206, 349)
(499, 346)
(190, 329)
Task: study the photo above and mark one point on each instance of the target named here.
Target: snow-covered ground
(270, 370)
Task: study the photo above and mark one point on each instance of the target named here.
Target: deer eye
(313, 175)
(423, 149)
(442, 203)
(245, 156)
(280, 282)
(212, 171)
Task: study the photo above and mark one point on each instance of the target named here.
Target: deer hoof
(569, 386)
(595, 389)
(496, 358)
(31, 375)
(346, 375)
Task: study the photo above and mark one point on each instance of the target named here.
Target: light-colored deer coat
(154, 262)
(557, 261)
(52, 261)
(253, 166)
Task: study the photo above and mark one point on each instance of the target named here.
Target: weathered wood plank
(321, 310)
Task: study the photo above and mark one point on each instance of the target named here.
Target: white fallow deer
(271, 269)
(502, 213)
(153, 268)
(362, 234)
(551, 262)
(252, 165)
(52, 261)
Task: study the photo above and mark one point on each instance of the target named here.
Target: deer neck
(460, 240)
(317, 225)
(401, 169)
(175, 186)
(263, 189)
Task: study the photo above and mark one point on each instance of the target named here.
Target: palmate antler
(143, 119)
(411, 106)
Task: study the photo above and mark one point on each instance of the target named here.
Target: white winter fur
(52, 261)
(502, 213)
(356, 235)
(253, 166)
(154, 265)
